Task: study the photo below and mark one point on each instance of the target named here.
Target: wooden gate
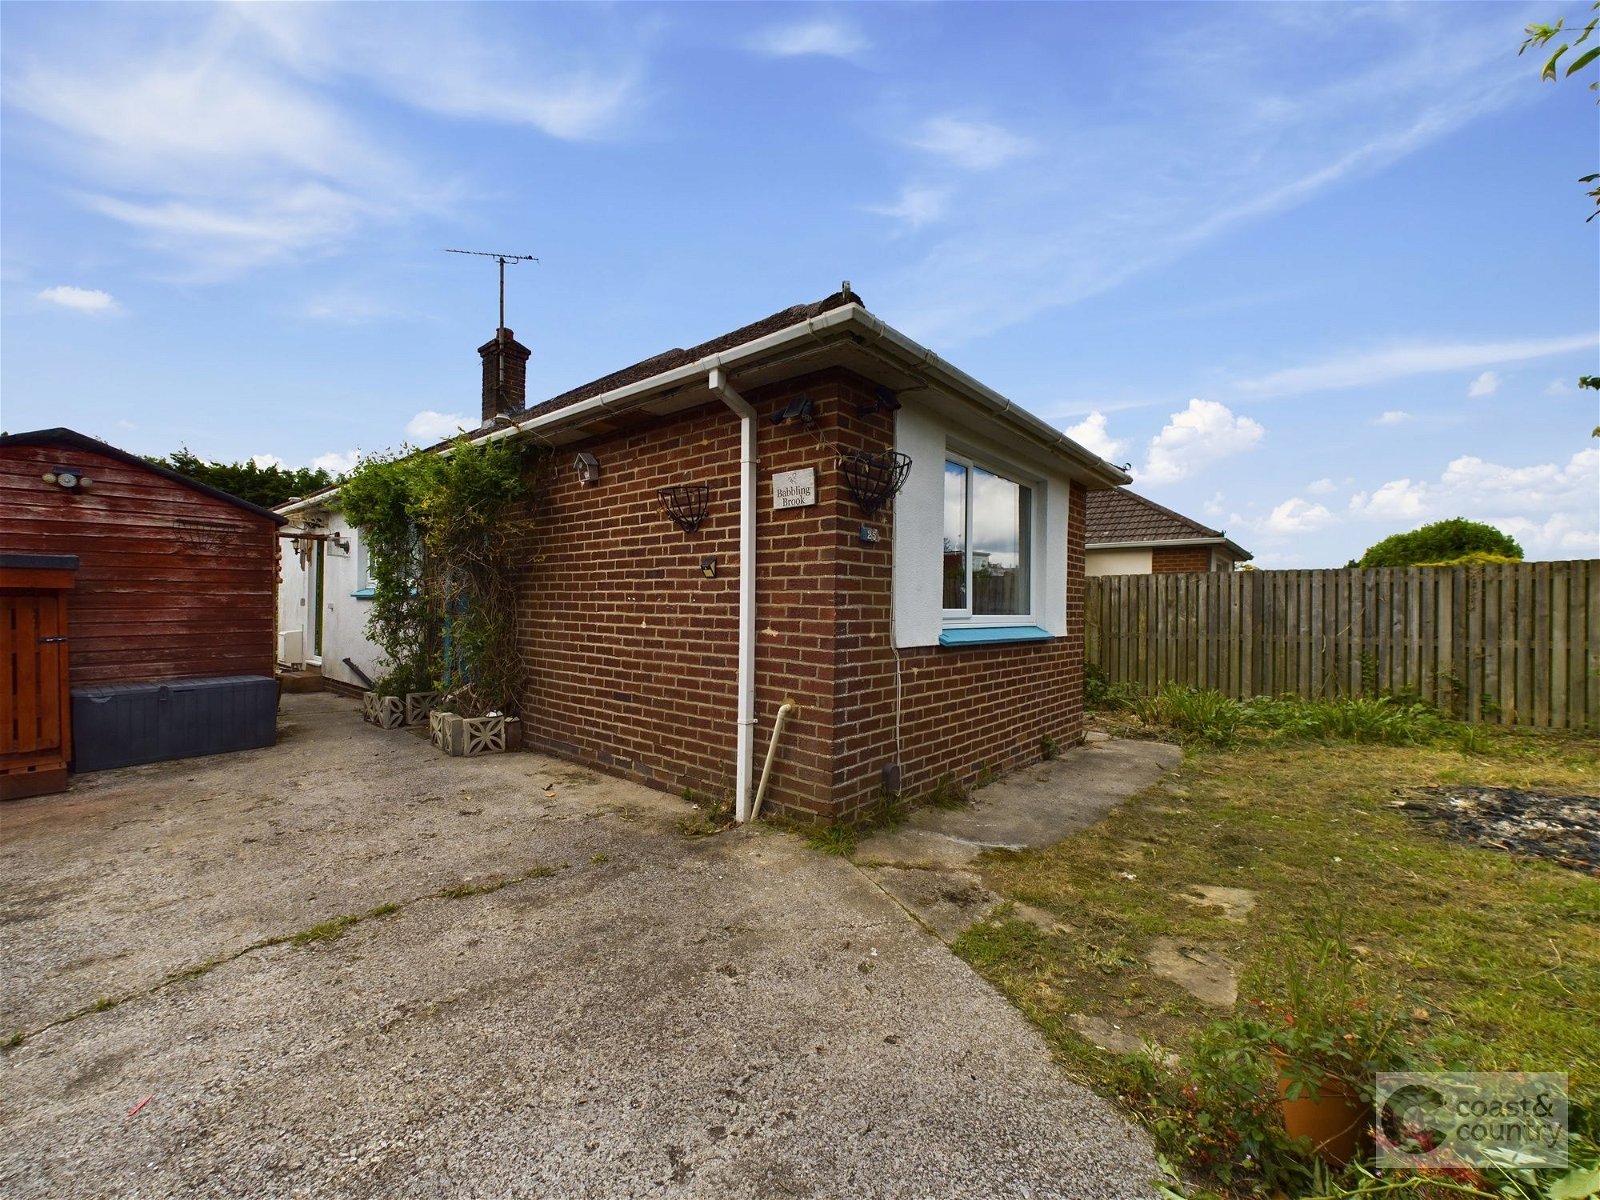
(36, 724)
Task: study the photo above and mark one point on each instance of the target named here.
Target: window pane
(955, 535)
(1001, 533)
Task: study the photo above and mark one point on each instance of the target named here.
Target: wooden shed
(156, 591)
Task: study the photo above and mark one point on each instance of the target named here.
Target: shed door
(33, 685)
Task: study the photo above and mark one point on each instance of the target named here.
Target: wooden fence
(1514, 644)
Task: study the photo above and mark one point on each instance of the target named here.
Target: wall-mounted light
(67, 478)
(708, 567)
(883, 400)
(799, 408)
(588, 468)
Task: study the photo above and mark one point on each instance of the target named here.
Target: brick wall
(633, 652)
(1172, 560)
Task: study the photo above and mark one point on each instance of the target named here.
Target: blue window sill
(364, 593)
(994, 633)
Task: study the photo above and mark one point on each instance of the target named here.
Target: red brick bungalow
(940, 634)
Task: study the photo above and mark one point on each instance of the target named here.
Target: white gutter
(963, 384)
(744, 762)
(835, 321)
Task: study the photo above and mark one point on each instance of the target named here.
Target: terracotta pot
(1336, 1121)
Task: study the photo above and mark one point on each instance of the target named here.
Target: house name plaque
(794, 489)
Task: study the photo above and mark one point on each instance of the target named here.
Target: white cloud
(1397, 498)
(1091, 433)
(917, 205)
(1559, 387)
(459, 60)
(263, 461)
(428, 426)
(337, 463)
(243, 233)
(84, 300)
(1321, 487)
(1214, 507)
(1298, 516)
(1112, 195)
(1360, 370)
(1201, 434)
(1394, 416)
(1486, 384)
(1550, 507)
(825, 37)
(974, 145)
(227, 139)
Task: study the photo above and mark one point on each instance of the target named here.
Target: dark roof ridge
(679, 356)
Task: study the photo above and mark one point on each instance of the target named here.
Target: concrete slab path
(544, 989)
(923, 863)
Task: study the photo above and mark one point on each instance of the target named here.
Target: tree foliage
(446, 537)
(267, 486)
(1541, 36)
(1443, 543)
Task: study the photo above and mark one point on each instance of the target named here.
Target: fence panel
(1515, 643)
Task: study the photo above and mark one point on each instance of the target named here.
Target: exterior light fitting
(67, 478)
(588, 468)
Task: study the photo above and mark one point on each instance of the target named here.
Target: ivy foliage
(1443, 543)
(447, 535)
(268, 486)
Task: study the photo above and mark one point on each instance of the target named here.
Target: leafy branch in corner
(1541, 36)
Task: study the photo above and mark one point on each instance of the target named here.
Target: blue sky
(1320, 273)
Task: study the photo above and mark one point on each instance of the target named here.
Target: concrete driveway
(513, 978)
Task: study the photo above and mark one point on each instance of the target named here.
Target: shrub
(1442, 541)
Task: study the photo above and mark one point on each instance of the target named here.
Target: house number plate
(794, 489)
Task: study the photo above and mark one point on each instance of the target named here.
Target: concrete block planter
(386, 712)
(419, 705)
(465, 736)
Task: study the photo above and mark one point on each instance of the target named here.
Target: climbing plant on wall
(447, 536)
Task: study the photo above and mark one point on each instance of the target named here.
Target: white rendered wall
(344, 616)
(1117, 562)
(925, 434)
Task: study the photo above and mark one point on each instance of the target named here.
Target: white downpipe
(784, 709)
(744, 768)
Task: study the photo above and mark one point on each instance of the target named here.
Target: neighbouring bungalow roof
(71, 437)
(847, 321)
(1118, 517)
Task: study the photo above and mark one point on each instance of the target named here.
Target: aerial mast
(502, 259)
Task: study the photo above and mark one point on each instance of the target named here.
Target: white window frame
(364, 584)
(965, 618)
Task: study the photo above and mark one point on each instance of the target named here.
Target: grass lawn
(1502, 953)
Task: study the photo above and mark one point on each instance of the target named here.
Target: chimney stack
(505, 375)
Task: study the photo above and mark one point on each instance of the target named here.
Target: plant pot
(386, 712)
(419, 705)
(467, 736)
(1336, 1121)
